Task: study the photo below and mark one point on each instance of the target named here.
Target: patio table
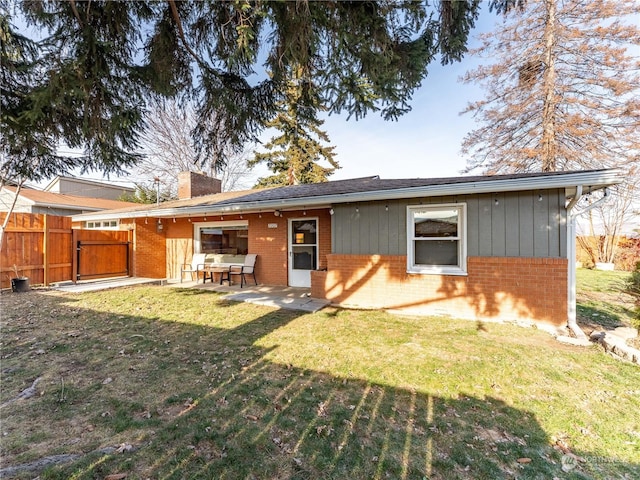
(210, 270)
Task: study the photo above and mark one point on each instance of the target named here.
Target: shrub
(627, 253)
(590, 250)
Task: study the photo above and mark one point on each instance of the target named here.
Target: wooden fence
(46, 249)
(36, 246)
(101, 254)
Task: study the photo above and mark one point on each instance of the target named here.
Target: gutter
(572, 323)
(594, 180)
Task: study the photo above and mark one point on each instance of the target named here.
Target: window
(104, 225)
(436, 239)
(222, 237)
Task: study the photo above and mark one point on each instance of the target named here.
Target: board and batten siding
(520, 224)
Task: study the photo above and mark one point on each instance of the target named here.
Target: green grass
(601, 302)
(600, 280)
(202, 388)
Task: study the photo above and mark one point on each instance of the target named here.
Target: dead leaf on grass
(116, 476)
(326, 429)
(124, 447)
(562, 446)
(322, 409)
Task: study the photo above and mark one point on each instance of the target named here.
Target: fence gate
(101, 254)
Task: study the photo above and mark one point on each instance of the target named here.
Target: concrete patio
(272, 296)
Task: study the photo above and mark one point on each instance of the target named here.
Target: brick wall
(271, 246)
(149, 255)
(271, 243)
(530, 289)
(193, 184)
(160, 255)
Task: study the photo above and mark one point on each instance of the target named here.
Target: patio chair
(196, 266)
(248, 268)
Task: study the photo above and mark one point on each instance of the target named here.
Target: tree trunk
(549, 84)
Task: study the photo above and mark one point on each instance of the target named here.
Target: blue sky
(422, 143)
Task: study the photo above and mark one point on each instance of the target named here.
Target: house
(81, 187)
(484, 247)
(37, 201)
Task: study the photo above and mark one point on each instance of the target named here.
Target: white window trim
(460, 269)
(102, 226)
(226, 223)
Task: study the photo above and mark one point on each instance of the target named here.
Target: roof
(84, 181)
(202, 201)
(59, 200)
(375, 184)
(371, 189)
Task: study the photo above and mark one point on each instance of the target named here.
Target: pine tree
(294, 154)
(147, 194)
(86, 80)
(75, 87)
(564, 93)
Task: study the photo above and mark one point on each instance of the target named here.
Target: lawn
(164, 383)
(601, 300)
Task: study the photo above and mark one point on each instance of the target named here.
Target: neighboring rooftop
(62, 201)
(204, 200)
(87, 188)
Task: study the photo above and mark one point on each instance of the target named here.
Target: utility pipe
(571, 255)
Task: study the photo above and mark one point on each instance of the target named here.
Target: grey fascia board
(66, 206)
(598, 179)
(195, 211)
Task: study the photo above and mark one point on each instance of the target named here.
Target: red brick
(533, 289)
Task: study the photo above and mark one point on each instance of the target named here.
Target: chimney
(193, 184)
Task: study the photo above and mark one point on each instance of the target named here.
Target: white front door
(303, 250)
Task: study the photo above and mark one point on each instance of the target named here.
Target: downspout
(571, 255)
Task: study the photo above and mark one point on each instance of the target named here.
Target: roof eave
(592, 180)
(196, 211)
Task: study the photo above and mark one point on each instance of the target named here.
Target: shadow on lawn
(599, 317)
(236, 415)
